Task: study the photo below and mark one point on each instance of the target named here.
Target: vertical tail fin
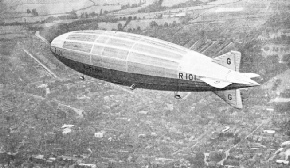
(230, 60)
(232, 97)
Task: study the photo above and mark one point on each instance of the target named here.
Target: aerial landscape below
(157, 108)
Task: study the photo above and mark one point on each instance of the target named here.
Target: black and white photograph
(145, 83)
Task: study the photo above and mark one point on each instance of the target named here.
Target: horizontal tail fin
(215, 83)
(232, 97)
(251, 75)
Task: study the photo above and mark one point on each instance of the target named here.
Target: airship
(139, 61)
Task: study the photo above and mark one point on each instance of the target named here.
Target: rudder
(232, 97)
(230, 60)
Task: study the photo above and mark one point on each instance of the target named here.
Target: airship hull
(139, 80)
(144, 62)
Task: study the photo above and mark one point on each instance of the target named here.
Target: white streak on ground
(47, 69)
(42, 38)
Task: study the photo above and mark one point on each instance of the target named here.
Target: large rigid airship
(144, 62)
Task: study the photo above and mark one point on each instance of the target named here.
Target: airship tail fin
(251, 75)
(215, 83)
(230, 60)
(232, 97)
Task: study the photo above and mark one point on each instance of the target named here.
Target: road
(47, 69)
(37, 34)
(200, 138)
(227, 152)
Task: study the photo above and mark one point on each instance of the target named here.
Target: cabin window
(84, 47)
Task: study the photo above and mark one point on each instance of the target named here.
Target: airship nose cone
(59, 40)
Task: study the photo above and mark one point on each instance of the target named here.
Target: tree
(73, 14)
(3, 6)
(155, 7)
(125, 6)
(153, 24)
(28, 11)
(101, 12)
(199, 160)
(202, 33)
(34, 12)
(120, 27)
(174, 23)
(165, 24)
(138, 28)
(93, 14)
(159, 16)
(135, 17)
(216, 156)
(186, 19)
(96, 26)
(82, 15)
(50, 19)
(128, 21)
(134, 5)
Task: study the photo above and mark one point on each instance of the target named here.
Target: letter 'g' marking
(229, 61)
(230, 97)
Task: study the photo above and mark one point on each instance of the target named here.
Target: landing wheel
(82, 77)
(176, 95)
(132, 87)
